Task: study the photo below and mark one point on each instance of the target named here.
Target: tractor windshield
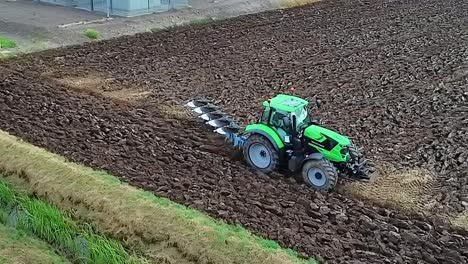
(302, 117)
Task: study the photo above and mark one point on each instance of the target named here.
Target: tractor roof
(287, 103)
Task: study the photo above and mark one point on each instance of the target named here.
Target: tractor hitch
(359, 170)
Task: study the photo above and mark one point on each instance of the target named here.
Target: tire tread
(327, 167)
(255, 138)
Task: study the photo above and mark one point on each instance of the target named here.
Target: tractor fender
(265, 134)
(313, 156)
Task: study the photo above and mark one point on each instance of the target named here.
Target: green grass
(19, 247)
(91, 33)
(6, 43)
(49, 224)
(159, 229)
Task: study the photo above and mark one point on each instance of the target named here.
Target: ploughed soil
(391, 74)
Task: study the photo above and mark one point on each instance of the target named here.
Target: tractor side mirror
(315, 103)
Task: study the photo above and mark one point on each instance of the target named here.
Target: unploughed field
(391, 74)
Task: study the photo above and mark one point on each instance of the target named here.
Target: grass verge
(18, 247)
(80, 245)
(160, 230)
(6, 43)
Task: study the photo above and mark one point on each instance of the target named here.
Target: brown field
(392, 75)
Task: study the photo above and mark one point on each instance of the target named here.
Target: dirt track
(394, 75)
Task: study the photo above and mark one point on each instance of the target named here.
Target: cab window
(302, 118)
(266, 113)
(281, 120)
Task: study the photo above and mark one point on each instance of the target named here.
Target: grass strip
(19, 247)
(161, 230)
(80, 245)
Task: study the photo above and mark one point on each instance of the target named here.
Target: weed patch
(6, 43)
(91, 34)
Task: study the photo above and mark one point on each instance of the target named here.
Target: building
(125, 8)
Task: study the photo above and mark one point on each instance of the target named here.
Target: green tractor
(287, 138)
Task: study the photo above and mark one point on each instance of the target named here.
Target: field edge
(75, 241)
(130, 214)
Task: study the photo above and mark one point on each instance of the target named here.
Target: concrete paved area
(34, 26)
(38, 26)
(41, 14)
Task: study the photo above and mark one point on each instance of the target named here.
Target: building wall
(58, 2)
(123, 7)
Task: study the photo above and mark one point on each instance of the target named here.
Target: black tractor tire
(355, 154)
(319, 174)
(267, 159)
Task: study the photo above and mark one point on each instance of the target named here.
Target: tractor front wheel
(260, 154)
(355, 154)
(319, 174)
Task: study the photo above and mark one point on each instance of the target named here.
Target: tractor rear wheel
(260, 154)
(319, 174)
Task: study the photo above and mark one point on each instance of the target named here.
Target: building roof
(287, 103)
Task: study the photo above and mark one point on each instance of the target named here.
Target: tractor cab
(287, 115)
